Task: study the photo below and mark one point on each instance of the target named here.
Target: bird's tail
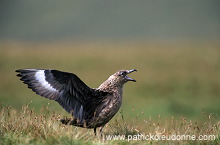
(68, 121)
(75, 122)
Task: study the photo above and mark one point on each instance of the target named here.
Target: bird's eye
(122, 74)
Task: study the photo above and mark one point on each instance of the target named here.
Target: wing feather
(66, 88)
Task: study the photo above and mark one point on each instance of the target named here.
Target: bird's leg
(101, 131)
(95, 131)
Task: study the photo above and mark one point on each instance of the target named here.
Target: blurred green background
(173, 44)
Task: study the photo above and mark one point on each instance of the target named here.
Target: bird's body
(91, 108)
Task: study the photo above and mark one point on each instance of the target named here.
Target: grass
(29, 127)
(179, 81)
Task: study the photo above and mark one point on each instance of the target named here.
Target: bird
(90, 107)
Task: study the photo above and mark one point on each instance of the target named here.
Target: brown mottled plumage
(91, 108)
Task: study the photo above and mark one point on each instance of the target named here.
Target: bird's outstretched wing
(66, 88)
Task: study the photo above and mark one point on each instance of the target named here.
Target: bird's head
(117, 80)
(122, 76)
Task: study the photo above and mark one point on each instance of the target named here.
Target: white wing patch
(40, 76)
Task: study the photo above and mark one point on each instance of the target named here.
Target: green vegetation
(177, 82)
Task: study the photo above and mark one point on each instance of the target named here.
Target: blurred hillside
(174, 45)
(41, 20)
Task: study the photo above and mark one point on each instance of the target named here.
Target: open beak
(128, 78)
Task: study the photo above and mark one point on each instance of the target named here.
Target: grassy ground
(29, 127)
(176, 81)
